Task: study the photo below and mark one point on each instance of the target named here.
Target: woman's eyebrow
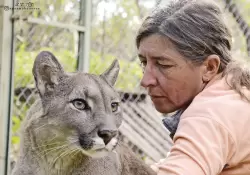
(157, 58)
(161, 58)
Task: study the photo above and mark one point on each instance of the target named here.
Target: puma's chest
(101, 166)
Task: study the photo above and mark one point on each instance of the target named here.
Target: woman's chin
(164, 107)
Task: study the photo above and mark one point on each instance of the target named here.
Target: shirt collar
(171, 122)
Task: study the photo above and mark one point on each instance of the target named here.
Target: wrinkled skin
(170, 79)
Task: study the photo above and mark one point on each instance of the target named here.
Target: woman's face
(171, 81)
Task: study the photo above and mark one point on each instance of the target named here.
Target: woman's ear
(211, 67)
(46, 71)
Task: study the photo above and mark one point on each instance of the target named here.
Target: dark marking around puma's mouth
(85, 142)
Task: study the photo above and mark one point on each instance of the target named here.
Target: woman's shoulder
(223, 105)
(218, 100)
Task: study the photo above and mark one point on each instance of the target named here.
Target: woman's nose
(149, 78)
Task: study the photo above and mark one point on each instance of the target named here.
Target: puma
(70, 129)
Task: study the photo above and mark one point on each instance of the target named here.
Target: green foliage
(129, 75)
(15, 129)
(130, 72)
(24, 62)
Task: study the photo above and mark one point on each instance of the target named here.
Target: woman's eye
(80, 104)
(114, 106)
(164, 65)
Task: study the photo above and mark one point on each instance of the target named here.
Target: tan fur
(61, 136)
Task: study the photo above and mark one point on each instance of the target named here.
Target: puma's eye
(114, 106)
(80, 104)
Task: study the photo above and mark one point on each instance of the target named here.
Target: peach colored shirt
(213, 135)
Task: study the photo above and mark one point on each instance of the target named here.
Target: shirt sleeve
(202, 146)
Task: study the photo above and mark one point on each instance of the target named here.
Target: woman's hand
(155, 165)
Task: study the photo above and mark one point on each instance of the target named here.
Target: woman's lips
(156, 97)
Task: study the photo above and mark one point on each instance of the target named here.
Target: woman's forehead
(156, 39)
(158, 47)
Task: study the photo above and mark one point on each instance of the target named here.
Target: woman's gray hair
(197, 30)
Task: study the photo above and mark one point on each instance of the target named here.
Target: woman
(184, 49)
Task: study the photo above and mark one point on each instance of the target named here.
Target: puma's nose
(107, 135)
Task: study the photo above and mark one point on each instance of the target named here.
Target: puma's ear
(112, 72)
(46, 71)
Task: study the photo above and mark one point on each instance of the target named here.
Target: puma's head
(80, 111)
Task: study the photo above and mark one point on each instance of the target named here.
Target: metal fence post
(6, 74)
(84, 37)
